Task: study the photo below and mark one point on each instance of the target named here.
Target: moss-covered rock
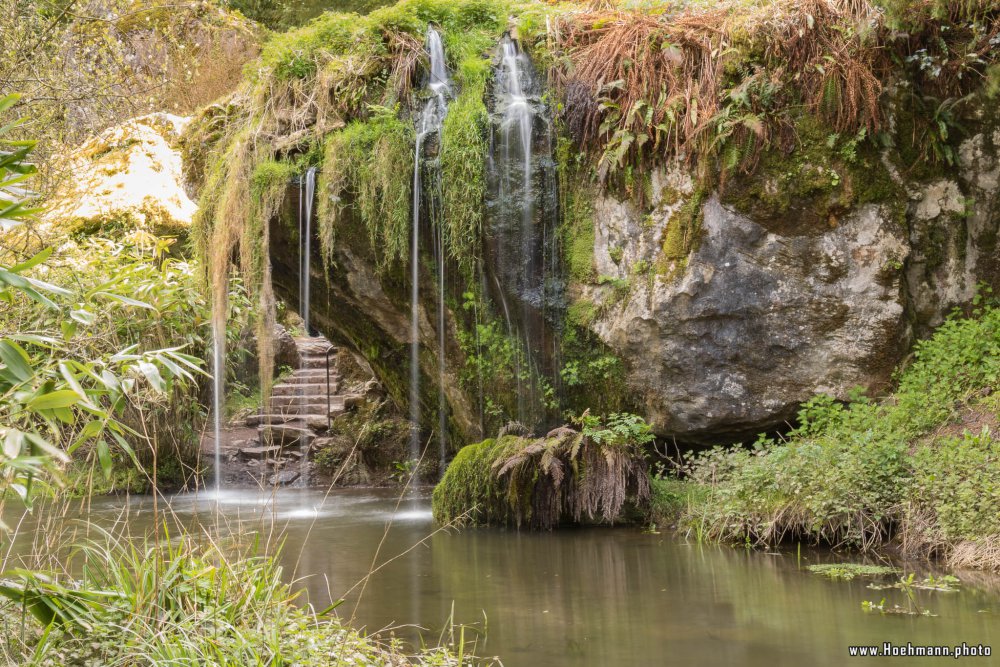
(568, 477)
(126, 180)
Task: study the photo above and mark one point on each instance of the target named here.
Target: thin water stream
(614, 597)
(429, 124)
(307, 194)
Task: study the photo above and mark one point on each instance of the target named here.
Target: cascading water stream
(429, 125)
(307, 193)
(523, 215)
(218, 370)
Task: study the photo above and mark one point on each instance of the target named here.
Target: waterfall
(218, 371)
(522, 239)
(429, 125)
(307, 192)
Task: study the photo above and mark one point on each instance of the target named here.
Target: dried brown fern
(570, 477)
(641, 87)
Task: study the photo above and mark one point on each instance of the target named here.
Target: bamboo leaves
(14, 170)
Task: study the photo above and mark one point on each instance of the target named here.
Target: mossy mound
(127, 179)
(597, 476)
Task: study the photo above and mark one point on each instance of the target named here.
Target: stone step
(306, 399)
(285, 435)
(314, 362)
(284, 478)
(303, 389)
(317, 376)
(315, 421)
(337, 401)
(260, 453)
(298, 411)
(317, 350)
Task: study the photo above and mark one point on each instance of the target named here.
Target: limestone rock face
(127, 178)
(758, 322)
(764, 314)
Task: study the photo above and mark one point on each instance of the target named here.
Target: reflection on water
(573, 597)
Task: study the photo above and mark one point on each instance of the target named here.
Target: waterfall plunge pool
(587, 596)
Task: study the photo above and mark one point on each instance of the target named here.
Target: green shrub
(141, 604)
(955, 494)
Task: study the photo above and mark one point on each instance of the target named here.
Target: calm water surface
(572, 597)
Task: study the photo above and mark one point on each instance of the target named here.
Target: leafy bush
(955, 494)
(111, 363)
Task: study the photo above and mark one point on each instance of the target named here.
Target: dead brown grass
(727, 79)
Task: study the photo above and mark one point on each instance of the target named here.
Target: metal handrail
(329, 419)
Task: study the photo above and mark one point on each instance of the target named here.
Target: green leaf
(68, 329)
(16, 360)
(72, 381)
(128, 301)
(104, 456)
(33, 262)
(84, 317)
(126, 447)
(8, 101)
(90, 430)
(62, 398)
(41, 446)
(12, 443)
(152, 373)
(331, 607)
(65, 415)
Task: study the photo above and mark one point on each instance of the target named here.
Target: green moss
(470, 491)
(595, 475)
(453, 16)
(807, 190)
(681, 236)
(297, 53)
(576, 195)
(270, 175)
(463, 163)
(581, 313)
(369, 164)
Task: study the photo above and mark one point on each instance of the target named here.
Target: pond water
(571, 597)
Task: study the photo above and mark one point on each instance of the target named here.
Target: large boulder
(766, 311)
(126, 179)
(758, 322)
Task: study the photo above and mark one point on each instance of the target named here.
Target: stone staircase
(276, 446)
(302, 404)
